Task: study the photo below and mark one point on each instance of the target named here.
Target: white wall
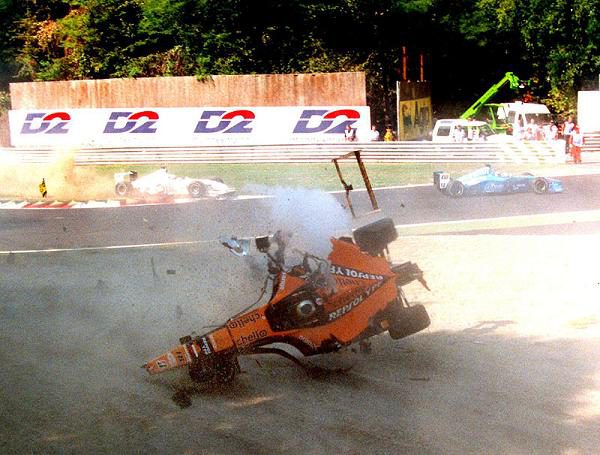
(588, 111)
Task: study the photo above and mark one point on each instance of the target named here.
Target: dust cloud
(64, 180)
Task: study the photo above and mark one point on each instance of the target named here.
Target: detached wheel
(456, 189)
(540, 185)
(122, 188)
(409, 321)
(196, 189)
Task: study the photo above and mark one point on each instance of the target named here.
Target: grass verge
(315, 175)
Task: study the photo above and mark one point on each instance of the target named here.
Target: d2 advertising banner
(180, 127)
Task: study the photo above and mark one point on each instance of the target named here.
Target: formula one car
(317, 306)
(161, 182)
(487, 181)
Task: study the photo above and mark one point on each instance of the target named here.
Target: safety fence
(535, 152)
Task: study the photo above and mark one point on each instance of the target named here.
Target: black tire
(196, 189)
(540, 185)
(456, 188)
(409, 321)
(225, 371)
(122, 188)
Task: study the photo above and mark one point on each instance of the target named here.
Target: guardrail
(385, 152)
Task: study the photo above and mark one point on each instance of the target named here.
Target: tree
(470, 43)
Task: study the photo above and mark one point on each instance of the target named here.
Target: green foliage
(4, 101)
(469, 44)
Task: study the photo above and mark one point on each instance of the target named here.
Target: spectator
(567, 131)
(374, 134)
(576, 144)
(529, 134)
(389, 135)
(459, 134)
(349, 133)
(550, 131)
(535, 130)
(517, 129)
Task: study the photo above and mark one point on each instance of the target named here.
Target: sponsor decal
(237, 121)
(241, 322)
(206, 346)
(251, 338)
(282, 282)
(352, 273)
(43, 123)
(323, 121)
(348, 282)
(131, 122)
(354, 303)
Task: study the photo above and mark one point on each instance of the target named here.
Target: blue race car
(487, 181)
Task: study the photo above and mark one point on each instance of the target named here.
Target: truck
(504, 117)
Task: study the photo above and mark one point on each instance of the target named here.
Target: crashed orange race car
(317, 306)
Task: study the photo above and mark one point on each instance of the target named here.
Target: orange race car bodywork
(316, 311)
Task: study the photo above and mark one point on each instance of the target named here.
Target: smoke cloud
(313, 217)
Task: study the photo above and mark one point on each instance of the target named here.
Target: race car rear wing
(441, 179)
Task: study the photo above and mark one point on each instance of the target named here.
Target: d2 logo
(321, 121)
(130, 122)
(226, 123)
(42, 123)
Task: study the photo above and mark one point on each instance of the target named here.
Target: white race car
(162, 183)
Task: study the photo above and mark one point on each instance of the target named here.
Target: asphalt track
(206, 220)
(75, 327)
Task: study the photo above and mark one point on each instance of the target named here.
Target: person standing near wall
(389, 135)
(349, 134)
(576, 144)
(374, 134)
(567, 131)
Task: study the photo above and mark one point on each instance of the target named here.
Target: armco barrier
(384, 152)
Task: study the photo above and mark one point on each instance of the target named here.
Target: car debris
(317, 306)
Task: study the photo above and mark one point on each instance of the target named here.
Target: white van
(521, 114)
(445, 130)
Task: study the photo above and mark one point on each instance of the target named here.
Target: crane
(510, 78)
